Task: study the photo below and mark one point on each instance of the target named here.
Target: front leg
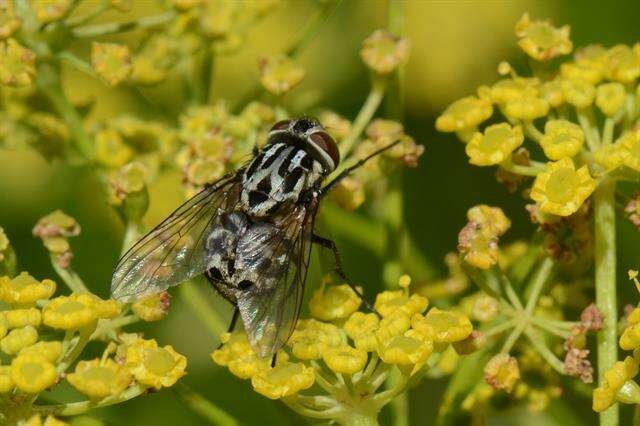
(331, 245)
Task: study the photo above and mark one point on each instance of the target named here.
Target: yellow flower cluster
(565, 102)
(478, 240)
(39, 358)
(348, 342)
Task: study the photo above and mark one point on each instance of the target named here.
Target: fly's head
(307, 133)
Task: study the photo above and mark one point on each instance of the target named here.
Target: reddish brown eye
(328, 145)
(281, 125)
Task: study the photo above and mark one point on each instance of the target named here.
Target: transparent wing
(174, 250)
(270, 309)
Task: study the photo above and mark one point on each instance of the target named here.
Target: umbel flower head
(360, 346)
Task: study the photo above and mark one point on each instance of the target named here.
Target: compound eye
(281, 125)
(327, 144)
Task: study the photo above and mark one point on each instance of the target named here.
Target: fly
(250, 233)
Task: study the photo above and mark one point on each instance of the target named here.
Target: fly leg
(232, 324)
(331, 245)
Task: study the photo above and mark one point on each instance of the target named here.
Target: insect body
(250, 234)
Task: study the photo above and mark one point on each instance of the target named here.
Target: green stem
(518, 169)
(84, 335)
(605, 282)
(214, 414)
(363, 118)
(70, 277)
(109, 28)
(544, 351)
(537, 283)
(191, 295)
(49, 83)
(75, 408)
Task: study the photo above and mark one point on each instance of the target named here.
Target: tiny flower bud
(383, 52)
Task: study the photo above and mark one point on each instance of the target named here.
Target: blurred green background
(456, 46)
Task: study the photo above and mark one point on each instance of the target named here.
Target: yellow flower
(6, 384)
(283, 380)
(237, 355)
(24, 289)
(485, 308)
(99, 379)
(561, 139)
(17, 64)
(464, 114)
(622, 64)
(50, 350)
(495, 145)
(610, 156)
(345, 359)
(610, 98)
(56, 224)
(513, 89)
(279, 74)
(348, 193)
(541, 40)
(630, 146)
(9, 22)
(409, 348)
(111, 150)
(383, 52)
(203, 171)
(152, 308)
(490, 218)
(578, 92)
(334, 302)
(23, 317)
(360, 327)
(502, 372)
(389, 301)
(337, 126)
(106, 309)
(393, 325)
(551, 91)
(32, 373)
(154, 366)
(69, 312)
(527, 109)
(478, 245)
(311, 338)
(443, 326)
(111, 61)
(630, 338)
(583, 70)
(17, 339)
(561, 189)
(260, 114)
(604, 396)
(50, 10)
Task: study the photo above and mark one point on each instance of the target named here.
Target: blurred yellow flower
(622, 64)
(22, 317)
(610, 97)
(578, 92)
(9, 21)
(50, 10)
(494, 145)
(153, 365)
(152, 308)
(502, 372)
(17, 64)
(383, 52)
(337, 126)
(110, 148)
(526, 109)
(443, 326)
(345, 359)
(18, 339)
(331, 302)
(610, 156)
(551, 91)
(561, 138)
(478, 245)
(32, 373)
(283, 380)
(51, 350)
(512, 89)
(6, 384)
(541, 40)
(100, 378)
(583, 70)
(561, 189)
(111, 61)
(69, 312)
(348, 193)
(279, 74)
(106, 309)
(490, 218)
(464, 114)
(630, 147)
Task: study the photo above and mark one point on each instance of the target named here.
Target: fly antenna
(346, 172)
